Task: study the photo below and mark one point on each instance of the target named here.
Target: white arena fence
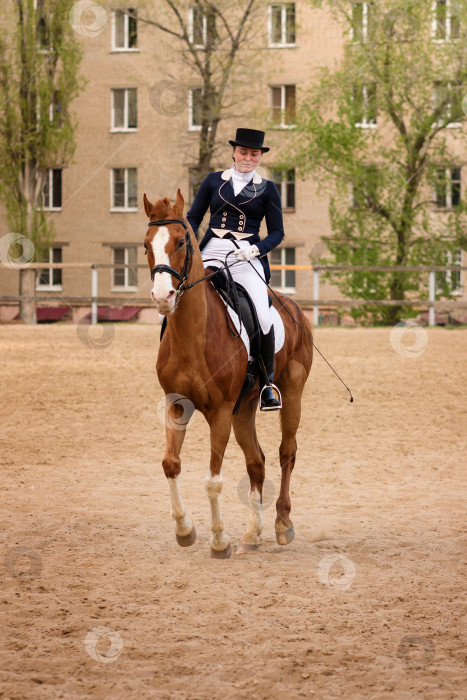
(432, 304)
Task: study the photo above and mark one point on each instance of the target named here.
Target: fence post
(94, 289)
(315, 297)
(431, 297)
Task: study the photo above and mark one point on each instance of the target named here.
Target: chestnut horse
(202, 364)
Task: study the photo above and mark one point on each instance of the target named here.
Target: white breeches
(253, 280)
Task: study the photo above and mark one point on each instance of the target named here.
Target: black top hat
(249, 138)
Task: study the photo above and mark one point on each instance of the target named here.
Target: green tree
(381, 132)
(39, 59)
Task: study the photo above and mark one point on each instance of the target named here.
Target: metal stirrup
(279, 398)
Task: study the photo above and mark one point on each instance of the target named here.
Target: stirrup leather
(278, 398)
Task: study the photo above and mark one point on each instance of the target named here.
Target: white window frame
(126, 270)
(367, 121)
(191, 25)
(449, 181)
(126, 33)
(191, 126)
(281, 124)
(49, 176)
(283, 43)
(125, 207)
(434, 23)
(454, 259)
(126, 111)
(50, 287)
(365, 22)
(282, 186)
(282, 251)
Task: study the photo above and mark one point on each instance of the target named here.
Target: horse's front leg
(220, 432)
(184, 530)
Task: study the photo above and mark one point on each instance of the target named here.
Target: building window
(195, 108)
(448, 188)
(124, 109)
(197, 27)
(282, 24)
(124, 189)
(284, 280)
(454, 277)
(446, 24)
(55, 110)
(364, 100)
(362, 21)
(50, 278)
(451, 95)
(284, 179)
(125, 31)
(282, 100)
(124, 270)
(52, 190)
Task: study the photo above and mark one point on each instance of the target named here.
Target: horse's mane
(162, 208)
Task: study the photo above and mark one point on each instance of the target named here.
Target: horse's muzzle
(165, 304)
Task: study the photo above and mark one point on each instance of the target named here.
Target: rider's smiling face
(246, 159)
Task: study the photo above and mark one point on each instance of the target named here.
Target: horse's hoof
(243, 548)
(187, 540)
(285, 537)
(223, 554)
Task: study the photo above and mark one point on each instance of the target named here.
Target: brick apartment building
(137, 132)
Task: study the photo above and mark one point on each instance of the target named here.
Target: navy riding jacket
(243, 213)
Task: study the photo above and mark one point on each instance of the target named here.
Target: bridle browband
(183, 275)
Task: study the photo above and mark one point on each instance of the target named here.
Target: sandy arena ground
(98, 601)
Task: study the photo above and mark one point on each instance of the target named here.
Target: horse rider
(238, 200)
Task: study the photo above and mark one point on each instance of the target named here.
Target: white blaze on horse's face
(163, 292)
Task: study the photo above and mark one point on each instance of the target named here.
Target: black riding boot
(269, 402)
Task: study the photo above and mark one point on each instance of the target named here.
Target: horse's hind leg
(245, 434)
(220, 432)
(294, 381)
(184, 530)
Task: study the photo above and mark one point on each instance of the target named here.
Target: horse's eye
(181, 243)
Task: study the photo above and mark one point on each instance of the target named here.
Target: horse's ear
(147, 206)
(179, 204)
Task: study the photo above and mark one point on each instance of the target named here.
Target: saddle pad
(279, 332)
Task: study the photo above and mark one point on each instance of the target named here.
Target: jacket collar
(227, 174)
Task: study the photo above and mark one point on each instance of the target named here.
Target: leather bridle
(183, 275)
